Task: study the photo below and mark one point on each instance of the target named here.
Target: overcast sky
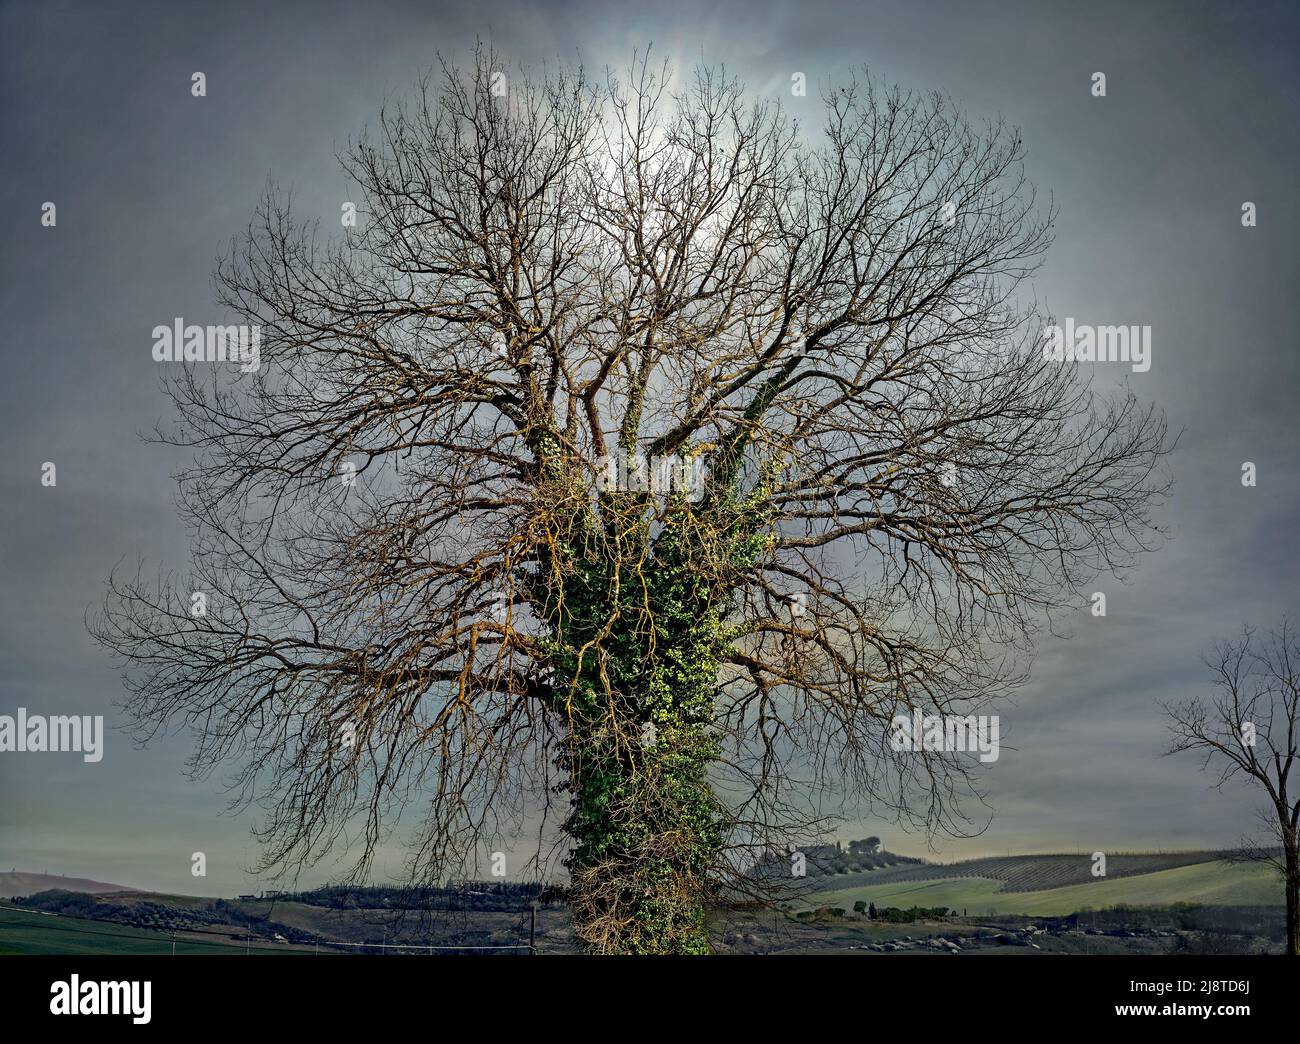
(96, 115)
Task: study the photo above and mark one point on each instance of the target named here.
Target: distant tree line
(889, 914)
(501, 896)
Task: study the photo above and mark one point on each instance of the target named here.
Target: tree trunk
(638, 707)
(644, 827)
(1292, 901)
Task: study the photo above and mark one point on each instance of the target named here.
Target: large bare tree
(689, 448)
(1250, 732)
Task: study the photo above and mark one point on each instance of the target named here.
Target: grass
(24, 932)
(1214, 883)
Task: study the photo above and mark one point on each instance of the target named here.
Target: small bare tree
(1250, 731)
(687, 453)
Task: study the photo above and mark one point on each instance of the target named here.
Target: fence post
(532, 930)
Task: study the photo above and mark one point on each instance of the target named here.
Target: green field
(35, 933)
(1215, 883)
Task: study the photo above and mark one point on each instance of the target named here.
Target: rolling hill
(1024, 873)
(16, 882)
(1209, 882)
